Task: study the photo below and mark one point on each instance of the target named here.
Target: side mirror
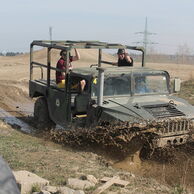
(177, 85)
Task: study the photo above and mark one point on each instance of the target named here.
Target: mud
(104, 135)
(17, 110)
(173, 166)
(177, 171)
(15, 122)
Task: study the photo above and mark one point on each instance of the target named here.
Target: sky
(114, 21)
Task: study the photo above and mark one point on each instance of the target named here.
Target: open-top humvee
(112, 94)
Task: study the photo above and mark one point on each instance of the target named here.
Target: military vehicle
(140, 98)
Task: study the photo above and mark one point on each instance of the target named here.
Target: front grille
(175, 126)
(163, 110)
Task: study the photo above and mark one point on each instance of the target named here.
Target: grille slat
(176, 126)
(171, 125)
(163, 110)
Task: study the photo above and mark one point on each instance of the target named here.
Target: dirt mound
(87, 56)
(17, 67)
(14, 98)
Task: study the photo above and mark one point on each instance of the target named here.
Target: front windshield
(114, 85)
(149, 84)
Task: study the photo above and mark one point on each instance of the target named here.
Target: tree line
(10, 53)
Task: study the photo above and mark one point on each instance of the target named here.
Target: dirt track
(14, 99)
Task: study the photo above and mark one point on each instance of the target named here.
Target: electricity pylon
(50, 33)
(145, 40)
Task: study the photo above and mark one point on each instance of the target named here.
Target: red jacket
(61, 64)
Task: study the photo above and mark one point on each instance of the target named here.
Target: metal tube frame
(100, 86)
(67, 46)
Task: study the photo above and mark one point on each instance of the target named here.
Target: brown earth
(14, 76)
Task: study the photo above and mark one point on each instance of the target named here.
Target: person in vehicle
(140, 86)
(123, 58)
(61, 64)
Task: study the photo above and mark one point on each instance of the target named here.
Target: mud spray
(123, 145)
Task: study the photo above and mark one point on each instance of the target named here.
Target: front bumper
(172, 141)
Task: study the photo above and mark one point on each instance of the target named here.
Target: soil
(14, 102)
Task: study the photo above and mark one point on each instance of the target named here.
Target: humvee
(123, 94)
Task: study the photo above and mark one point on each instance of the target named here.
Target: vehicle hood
(148, 107)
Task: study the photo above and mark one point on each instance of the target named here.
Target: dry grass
(187, 91)
(183, 71)
(48, 160)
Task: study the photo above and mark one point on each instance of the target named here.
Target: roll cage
(67, 46)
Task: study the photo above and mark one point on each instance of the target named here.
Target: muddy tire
(147, 151)
(41, 115)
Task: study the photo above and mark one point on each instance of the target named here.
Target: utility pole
(50, 33)
(145, 40)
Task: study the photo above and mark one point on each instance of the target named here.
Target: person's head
(140, 81)
(121, 53)
(63, 54)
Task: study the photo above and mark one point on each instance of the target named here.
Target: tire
(41, 115)
(147, 151)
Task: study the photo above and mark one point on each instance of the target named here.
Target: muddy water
(15, 122)
(178, 172)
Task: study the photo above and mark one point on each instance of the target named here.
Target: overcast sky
(115, 21)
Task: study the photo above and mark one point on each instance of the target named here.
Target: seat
(81, 103)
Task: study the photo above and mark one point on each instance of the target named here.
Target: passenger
(123, 58)
(61, 64)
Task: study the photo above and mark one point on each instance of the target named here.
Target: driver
(140, 85)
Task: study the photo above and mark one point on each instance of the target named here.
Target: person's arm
(77, 55)
(128, 58)
(115, 64)
(109, 63)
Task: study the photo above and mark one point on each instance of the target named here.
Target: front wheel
(41, 115)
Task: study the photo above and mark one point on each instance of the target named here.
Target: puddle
(13, 121)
